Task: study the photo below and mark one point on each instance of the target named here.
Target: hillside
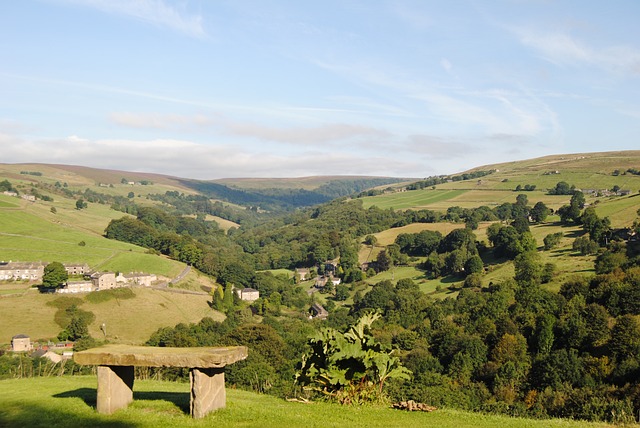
(584, 171)
(270, 194)
(70, 402)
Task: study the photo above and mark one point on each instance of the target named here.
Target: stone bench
(116, 365)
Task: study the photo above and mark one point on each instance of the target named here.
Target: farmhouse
(21, 271)
(77, 287)
(21, 343)
(136, 278)
(303, 273)
(248, 294)
(317, 311)
(76, 268)
(104, 280)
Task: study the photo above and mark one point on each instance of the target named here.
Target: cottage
(104, 280)
(21, 343)
(76, 268)
(139, 278)
(317, 311)
(303, 273)
(248, 294)
(21, 271)
(77, 287)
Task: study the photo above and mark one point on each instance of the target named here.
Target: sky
(263, 88)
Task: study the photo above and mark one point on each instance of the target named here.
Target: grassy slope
(70, 402)
(587, 171)
(128, 320)
(33, 233)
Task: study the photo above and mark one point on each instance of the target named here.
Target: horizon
(222, 90)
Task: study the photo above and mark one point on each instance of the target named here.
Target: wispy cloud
(329, 133)
(155, 12)
(564, 50)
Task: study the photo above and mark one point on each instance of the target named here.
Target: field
(36, 234)
(70, 402)
(587, 171)
(127, 320)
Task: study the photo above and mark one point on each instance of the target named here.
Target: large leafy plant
(351, 367)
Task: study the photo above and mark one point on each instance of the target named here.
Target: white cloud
(564, 50)
(446, 64)
(193, 160)
(155, 12)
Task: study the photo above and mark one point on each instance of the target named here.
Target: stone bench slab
(116, 372)
(148, 356)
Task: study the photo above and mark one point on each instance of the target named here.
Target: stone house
(76, 268)
(248, 294)
(21, 271)
(104, 280)
(136, 278)
(317, 311)
(21, 343)
(77, 287)
(303, 273)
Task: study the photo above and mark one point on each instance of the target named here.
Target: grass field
(36, 234)
(413, 199)
(587, 171)
(127, 320)
(70, 402)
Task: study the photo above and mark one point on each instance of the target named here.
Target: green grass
(587, 171)
(129, 320)
(70, 402)
(413, 199)
(38, 235)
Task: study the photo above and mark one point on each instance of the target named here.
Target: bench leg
(115, 388)
(207, 391)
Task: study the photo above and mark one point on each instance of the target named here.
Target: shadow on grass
(180, 399)
(88, 395)
(34, 416)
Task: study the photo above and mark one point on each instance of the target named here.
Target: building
(248, 294)
(76, 268)
(303, 273)
(77, 287)
(27, 271)
(21, 343)
(317, 311)
(104, 280)
(136, 278)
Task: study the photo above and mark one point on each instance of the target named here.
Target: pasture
(70, 402)
(129, 321)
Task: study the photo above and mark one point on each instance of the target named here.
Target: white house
(248, 294)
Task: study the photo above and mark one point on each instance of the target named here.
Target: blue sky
(259, 88)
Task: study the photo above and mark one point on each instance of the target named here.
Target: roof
(249, 290)
(20, 336)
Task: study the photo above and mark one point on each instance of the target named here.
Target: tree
(552, 240)
(539, 212)
(383, 261)
(370, 240)
(55, 275)
(80, 204)
(474, 265)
